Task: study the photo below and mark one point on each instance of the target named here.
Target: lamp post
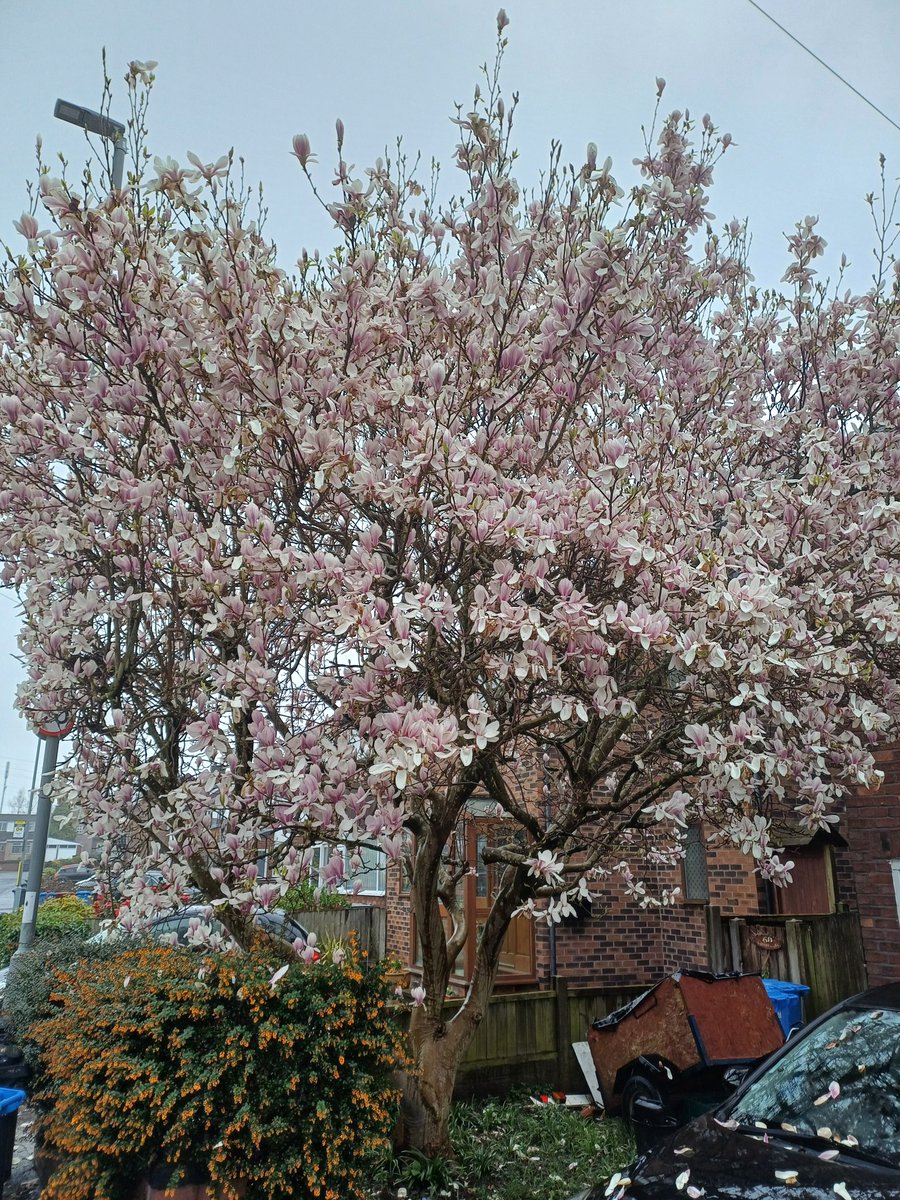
(103, 126)
(51, 734)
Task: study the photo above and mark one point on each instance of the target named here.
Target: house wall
(732, 881)
(872, 829)
(620, 944)
(615, 945)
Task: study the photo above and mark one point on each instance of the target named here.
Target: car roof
(276, 915)
(886, 995)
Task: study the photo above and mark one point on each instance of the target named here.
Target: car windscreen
(280, 925)
(841, 1081)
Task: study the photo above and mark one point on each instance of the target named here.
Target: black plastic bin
(10, 1100)
(15, 1072)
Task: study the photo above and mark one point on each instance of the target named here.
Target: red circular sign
(56, 727)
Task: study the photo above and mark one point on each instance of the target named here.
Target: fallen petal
(278, 975)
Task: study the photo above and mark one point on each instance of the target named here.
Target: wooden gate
(824, 952)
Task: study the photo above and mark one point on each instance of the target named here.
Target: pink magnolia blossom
(333, 558)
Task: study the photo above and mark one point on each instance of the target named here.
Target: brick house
(619, 944)
(872, 829)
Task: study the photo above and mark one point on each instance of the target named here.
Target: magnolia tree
(323, 555)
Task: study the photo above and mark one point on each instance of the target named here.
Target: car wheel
(639, 1087)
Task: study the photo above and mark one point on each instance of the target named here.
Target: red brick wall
(399, 918)
(872, 829)
(732, 881)
(620, 943)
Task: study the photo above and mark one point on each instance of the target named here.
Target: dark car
(820, 1118)
(276, 924)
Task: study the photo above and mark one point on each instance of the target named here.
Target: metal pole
(548, 812)
(37, 759)
(118, 163)
(38, 847)
(19, 891)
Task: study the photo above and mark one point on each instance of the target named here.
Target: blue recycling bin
(10, 1099)
(787, 1000)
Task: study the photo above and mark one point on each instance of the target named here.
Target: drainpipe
(547, 814)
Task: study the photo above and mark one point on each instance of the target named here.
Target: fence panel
(835, 963)
(367, 922)
(526, 1038)
(823, 951)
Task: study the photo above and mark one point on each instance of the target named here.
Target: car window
(842, 1078)
(279, 925)
(173, 924)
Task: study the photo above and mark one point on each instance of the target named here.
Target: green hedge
(305, 897)
(278, 1085)
(58, 918)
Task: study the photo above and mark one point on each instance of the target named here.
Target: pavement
(23, 1183)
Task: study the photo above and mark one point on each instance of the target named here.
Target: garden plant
(512, 484)
(59, 918)
(501, 1146)
(273, 1081)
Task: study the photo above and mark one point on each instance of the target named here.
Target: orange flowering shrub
(278, 1084)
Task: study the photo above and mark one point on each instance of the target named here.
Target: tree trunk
(427, 1088)
(438, 1045)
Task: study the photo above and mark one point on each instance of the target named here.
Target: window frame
(695, 844)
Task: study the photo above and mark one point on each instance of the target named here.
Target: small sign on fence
(766, 939)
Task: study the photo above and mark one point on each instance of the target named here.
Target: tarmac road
(7, 883)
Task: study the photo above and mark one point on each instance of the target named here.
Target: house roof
(791, 835)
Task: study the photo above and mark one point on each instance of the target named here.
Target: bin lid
(10, 1099)
(782, 989)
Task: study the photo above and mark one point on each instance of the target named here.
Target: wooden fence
(526, 1038)
(367, 922)
(824, 952)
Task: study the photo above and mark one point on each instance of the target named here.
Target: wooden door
(812, 888)
(517, 952)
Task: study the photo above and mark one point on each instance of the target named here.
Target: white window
(368, 880)
(895, 873)
(371, 875)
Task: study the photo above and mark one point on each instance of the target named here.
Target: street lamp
(103, 126)
(51, 733)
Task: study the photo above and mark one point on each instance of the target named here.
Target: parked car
(72, 875)
(276, 924)
(153, 878)
(819, 1118)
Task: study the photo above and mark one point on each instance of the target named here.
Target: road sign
(56, 727)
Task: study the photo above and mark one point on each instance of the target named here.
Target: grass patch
(504, 1146)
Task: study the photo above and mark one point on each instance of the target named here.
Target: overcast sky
(251, 76)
